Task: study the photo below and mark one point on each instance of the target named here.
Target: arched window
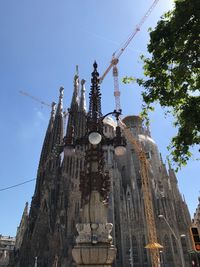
(135, 250)
(174, 244)
(167, 249)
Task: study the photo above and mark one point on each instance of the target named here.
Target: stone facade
(50, 231)
(7, 244)
(21, 229)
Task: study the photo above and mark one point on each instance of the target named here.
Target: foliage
(173, 74)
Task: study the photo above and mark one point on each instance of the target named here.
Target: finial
(95, 96)
(83, 83)
(95, 69)
(77, 70)
(76, 76)
(95, 65)
(53, 108)
(82, 105)
(60, 104)
(76, 81)
(53, 105)
(61, 96)
(26, 208)
(95, 74)
(61, 92)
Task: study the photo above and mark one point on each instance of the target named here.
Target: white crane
(117, 54)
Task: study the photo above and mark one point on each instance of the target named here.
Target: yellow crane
(153, 244)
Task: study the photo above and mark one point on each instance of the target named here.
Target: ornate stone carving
(94, 233)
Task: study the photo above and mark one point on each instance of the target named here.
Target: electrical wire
(28, 181)
(16, 185)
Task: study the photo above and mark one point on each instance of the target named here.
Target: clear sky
(41, 42)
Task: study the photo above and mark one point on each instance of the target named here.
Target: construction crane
(117, 54)
(65, 113)
(56, 147)
(153, 244)
(34, 98)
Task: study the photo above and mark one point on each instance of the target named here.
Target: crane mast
(153, 245)
(116, 86)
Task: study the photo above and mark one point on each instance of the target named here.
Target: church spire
(57, 131)
(95, 95)
(44, 157)
(94, 114)
(81, 129)
(82, 105)
(25, 213)
(46, 149)
(60, 103)
(75, 99)
(172, 174)
(22, 228)
(73, 110)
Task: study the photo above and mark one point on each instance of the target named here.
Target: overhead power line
(16, 185)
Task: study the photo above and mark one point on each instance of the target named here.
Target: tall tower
(40, 235)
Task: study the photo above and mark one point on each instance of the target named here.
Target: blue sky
(41, 42)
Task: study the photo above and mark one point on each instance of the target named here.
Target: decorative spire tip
(95, 65)
(77, 70)
(53, 105)
(83, 82)
(61, 89)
